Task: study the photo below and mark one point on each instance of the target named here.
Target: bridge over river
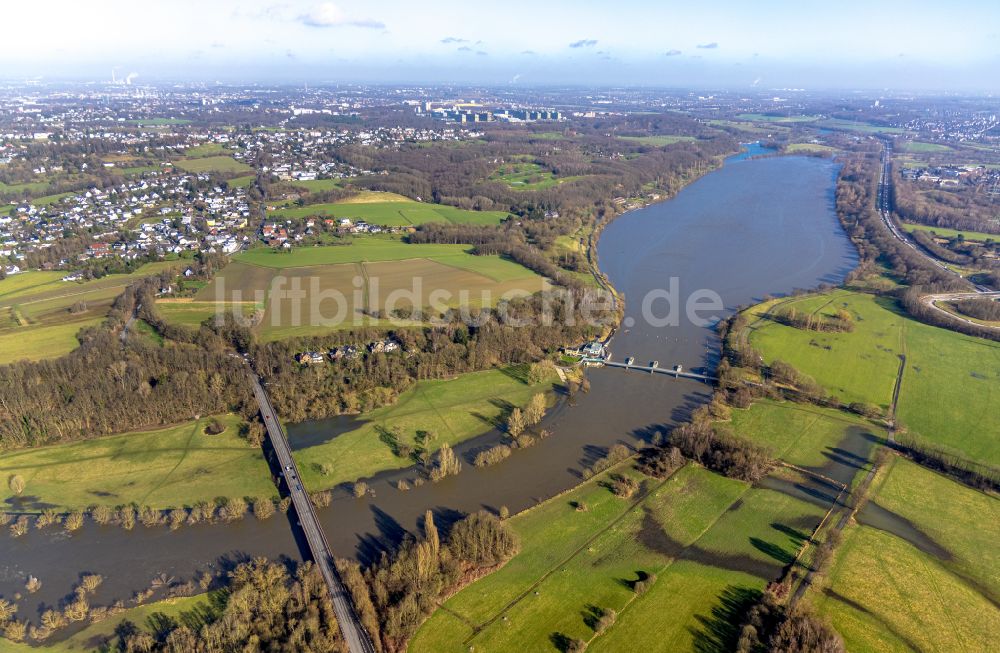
(354, 633)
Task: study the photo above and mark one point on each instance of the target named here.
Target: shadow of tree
(772, 550)
(720, 632)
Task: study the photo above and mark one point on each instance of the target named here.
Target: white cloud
(327, 14)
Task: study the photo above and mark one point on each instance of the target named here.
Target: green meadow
(223, 164)
(760, 117)
(923, 147)
(205, 149)
(658, 140)
(453, 410)
(864, 127)
(527, 175)
(374, 249)
(705, 537)
(165, 468)
(318, 184)
(883, 592)
(158, 122)
(392, 213)
(979, 236)
(40, 315)
(801, 434)
(857, 366)
(797, 148)
(951, 383)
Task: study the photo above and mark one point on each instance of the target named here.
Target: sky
(885, 44)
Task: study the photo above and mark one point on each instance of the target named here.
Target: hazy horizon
(896, 45)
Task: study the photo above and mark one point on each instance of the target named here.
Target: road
(884, 204)
(354, 633)
(931, 301)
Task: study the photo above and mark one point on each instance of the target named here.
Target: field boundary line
(639, 500)
(674, 559)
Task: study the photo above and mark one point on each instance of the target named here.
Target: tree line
(399, 591)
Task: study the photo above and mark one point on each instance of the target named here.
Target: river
(752, 228)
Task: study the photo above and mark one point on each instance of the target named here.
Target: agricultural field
(951, 383)
(453, 410)
(976, 236)
(166, 468)
(40, 315)
(392, 213)
(708, 540)
(221, 164)
(919, 570)
(379, 274)
(657, 140)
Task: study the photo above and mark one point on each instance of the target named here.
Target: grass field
(794, 148)
(360, 250)
(978, 236)
(850, 125)
(657, 140)
(951, 392)
(801, 434)
(224, 164)
(205, 149)
(190, 610)
(36, 318)
(760, 117)
(526, 175)
(923, 147)
(885, 594)
(191, 312)
(241, 182)
(704, 536)
(31, 186)
(393, 213)
(318, 184)
(858, 366)
(951, 385)
(166, 468)
(380, 274)
(38, 343)
(453, 410)
(48, 200)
